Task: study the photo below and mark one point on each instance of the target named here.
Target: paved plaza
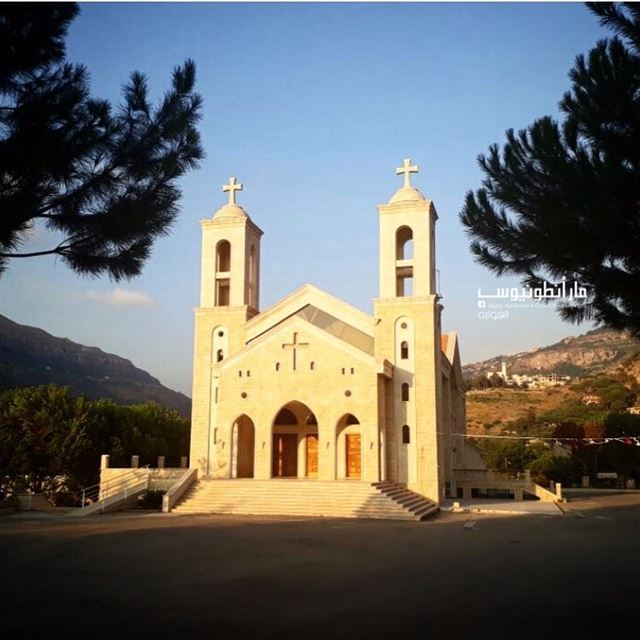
(459, 575)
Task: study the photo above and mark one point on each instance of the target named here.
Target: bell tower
(407, 245)
(408, 335)
(230, 275)
(229, 296)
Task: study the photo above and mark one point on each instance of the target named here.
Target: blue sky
(312, 106)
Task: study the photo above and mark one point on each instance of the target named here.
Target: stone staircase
(305, 497)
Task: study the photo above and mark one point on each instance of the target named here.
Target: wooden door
(285, 455)
(353, 454)
(312, 455)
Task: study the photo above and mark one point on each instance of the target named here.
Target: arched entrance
(243, 437)
(295, 442)
(348, 448)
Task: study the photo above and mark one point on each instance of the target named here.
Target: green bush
(51, 442)
(564, 469)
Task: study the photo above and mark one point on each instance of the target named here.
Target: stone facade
(312, 387)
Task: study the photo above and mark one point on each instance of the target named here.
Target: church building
(313, 389)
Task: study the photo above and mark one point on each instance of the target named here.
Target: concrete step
(346, 499)
(415, 504)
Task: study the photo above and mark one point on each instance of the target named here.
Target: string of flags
(633, 441)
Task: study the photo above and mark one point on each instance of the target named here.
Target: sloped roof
(319, 308)
(298, 321)
(337, 328)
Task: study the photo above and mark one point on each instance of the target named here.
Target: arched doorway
(243, 437)
(348, 448)
(295, 442)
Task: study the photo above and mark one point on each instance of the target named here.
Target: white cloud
(121, 298)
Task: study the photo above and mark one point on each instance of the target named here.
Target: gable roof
(322, 310)
(451, 353)
(299, 322)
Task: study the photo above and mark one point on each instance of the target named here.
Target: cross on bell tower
(407, 169)
(232, 187)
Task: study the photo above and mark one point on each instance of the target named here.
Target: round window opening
(347, 393)
(220, 334)
(404, 325)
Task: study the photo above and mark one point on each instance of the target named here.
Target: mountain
(32, 356)
(597, 351)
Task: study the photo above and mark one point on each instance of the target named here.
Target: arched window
(404, 243)
(219, 355)
(404, 350)
(277, 366)
(405, 392)
(223, 256)
(406, 434)
(404, 270)
(223, 265)
(312, 365)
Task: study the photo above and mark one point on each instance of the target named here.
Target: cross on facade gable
(407, 169)
(232, 187)
(294, 345)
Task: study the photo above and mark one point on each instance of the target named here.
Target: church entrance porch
(295, 442)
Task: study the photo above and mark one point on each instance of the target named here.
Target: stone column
(264, 440)
(104, 461)
(183, 462)
(135, 462)
(160, 462)
(302, 455)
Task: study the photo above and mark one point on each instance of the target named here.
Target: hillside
(598, 351)
(491, 408)
(601, 351)
(32, 356)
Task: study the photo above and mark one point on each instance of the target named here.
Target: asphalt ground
(458, 575)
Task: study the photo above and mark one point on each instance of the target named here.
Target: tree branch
(33, 254)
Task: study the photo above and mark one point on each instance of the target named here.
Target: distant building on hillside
(501, 374)
(537, 380)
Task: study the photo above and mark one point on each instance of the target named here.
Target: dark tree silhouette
(102, 179)
(563, 199)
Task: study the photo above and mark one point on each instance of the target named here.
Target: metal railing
(123, 483)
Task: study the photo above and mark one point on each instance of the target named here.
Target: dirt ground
(492, 406)
(455, 576)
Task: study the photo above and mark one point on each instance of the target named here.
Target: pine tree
(563, 199)
(102, 179)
